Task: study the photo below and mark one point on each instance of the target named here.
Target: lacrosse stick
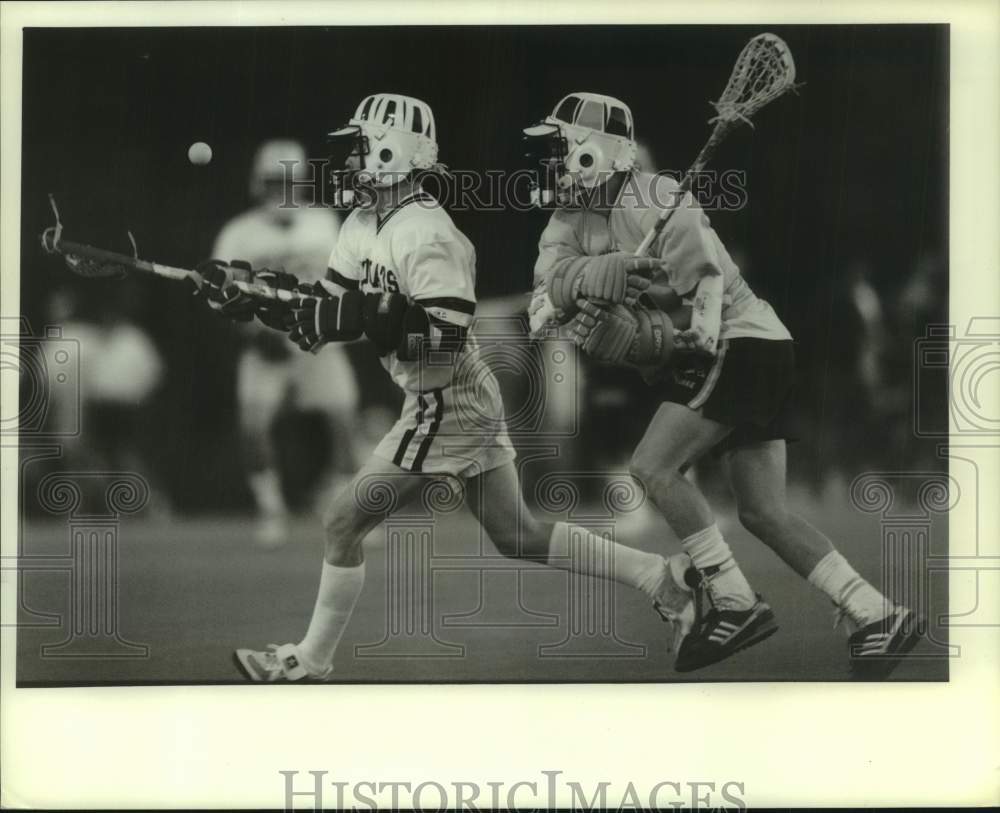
(764, 70)
(92, 262)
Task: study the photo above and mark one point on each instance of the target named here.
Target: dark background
(849, 174)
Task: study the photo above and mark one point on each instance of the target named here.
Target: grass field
(193, 590)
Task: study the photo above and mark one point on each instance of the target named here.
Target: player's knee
(638, 469)
(649, 471)
(342, 551)
(762, 520)
(341, 529)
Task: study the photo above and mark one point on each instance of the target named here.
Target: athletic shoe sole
(762, 627)
(244, 669)
(881, 666)
(248, 673)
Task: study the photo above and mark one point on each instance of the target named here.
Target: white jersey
(688, 245)
(415, 250)
(297, 240)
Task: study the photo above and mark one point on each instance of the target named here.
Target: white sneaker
(277, 664)
(878, 648)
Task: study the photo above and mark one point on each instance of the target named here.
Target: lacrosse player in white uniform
(280, 233)
(726, 389)
(404, 276)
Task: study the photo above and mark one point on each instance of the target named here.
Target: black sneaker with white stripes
(717, 634)
(878, 648)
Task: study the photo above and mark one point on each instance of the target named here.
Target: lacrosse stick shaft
(53, 244)
(719, 133)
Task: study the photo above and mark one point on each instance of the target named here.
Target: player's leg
(677, 436)
(495, 499)
(348, 520)
(260, 389)
(756, 473)
(326, 382)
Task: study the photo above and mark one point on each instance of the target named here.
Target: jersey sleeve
(557, 246)
(439, 269)
(689, 246)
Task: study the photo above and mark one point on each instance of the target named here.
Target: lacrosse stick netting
(764, 70)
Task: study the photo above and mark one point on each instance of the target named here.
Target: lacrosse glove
(218, 291)
(614, 334)
(619, 278)
(316, 320)
(273, 312)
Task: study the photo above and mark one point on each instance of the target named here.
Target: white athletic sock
(841, 582)
(578, 550)
(339, 588)
(730, 588)
(266, 488)
(675, 592)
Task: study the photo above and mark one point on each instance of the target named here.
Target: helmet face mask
(387, 139)
(347, 154)
(546, 147)
(587, 138)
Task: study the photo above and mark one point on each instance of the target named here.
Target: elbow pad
(382, 319)
(422, 331)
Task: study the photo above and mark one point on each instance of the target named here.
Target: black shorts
(746, 386)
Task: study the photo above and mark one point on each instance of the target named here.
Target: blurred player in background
(280, 233)
(120, 372)
(404, 276)
(857, 400)
(726, 391)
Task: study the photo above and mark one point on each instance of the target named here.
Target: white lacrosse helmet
(588, 137)
(275, 164)
(392, 135)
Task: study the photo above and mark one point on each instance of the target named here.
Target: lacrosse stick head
(764, 70)
(78, 264)
(94, 269)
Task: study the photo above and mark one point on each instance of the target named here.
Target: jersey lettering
(379, 278)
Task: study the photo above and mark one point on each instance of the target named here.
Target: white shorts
(454, 430)
(324, 381)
